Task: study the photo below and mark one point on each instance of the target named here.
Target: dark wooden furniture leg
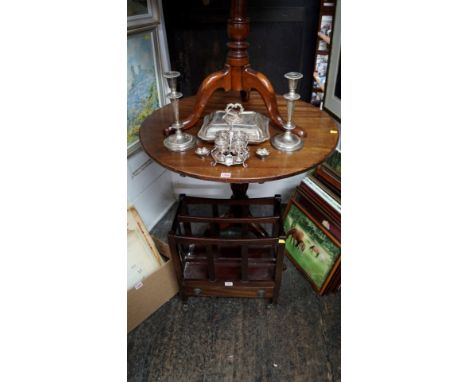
(245, 95)
(177, 268)
(278, 272)
(214, 81)
(260, 82)
(239, 192)
(237, 74)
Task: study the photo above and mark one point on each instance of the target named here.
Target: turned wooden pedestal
(237, 74)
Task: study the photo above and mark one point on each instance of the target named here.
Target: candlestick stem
(179, 141)
(289, 141)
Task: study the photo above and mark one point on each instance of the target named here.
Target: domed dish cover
(254, 124)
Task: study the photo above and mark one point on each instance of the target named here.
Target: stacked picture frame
(312, 225)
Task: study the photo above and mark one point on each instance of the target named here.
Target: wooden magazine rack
(215, 255)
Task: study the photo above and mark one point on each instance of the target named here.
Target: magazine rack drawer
(232, 289)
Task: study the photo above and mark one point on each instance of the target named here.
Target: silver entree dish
(254, 124)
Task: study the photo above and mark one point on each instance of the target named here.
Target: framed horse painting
(312, 249)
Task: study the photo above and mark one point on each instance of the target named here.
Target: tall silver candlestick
(289, 141)
(179, 141)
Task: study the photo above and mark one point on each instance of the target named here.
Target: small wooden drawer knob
(197, 291)
(260, 293)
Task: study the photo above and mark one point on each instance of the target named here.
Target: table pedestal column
(239, 192)
(237, 74)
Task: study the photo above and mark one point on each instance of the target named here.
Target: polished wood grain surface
(321, 140)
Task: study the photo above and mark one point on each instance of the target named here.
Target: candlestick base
(180, 142)
(287, 142)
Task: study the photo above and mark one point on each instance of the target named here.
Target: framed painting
(142, 13)
(330, 171)
(332, 98)
(314, 252)
(145, 87)
(333, 163)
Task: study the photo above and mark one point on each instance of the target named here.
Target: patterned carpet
(227, 339)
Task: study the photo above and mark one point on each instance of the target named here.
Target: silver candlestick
(179, 141)
(289, 141)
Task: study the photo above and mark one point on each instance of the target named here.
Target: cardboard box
(143, 257)
(155, 290)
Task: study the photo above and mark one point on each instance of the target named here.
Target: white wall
(195, 187)
(149, 188)
(153, 189)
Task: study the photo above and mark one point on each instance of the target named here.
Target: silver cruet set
(231, 146)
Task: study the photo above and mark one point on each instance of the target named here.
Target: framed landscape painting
(144, 82)
(315, 252)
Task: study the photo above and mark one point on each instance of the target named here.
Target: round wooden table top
(322, 138)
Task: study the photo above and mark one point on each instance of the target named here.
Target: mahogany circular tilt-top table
(321, 138)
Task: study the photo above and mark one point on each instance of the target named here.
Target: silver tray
(254, 124)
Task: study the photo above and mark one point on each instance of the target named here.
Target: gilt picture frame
(310, 247)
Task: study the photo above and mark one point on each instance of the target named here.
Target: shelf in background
(317, 79)
(324, 37)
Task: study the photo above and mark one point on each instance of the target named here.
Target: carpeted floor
(227, 339)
